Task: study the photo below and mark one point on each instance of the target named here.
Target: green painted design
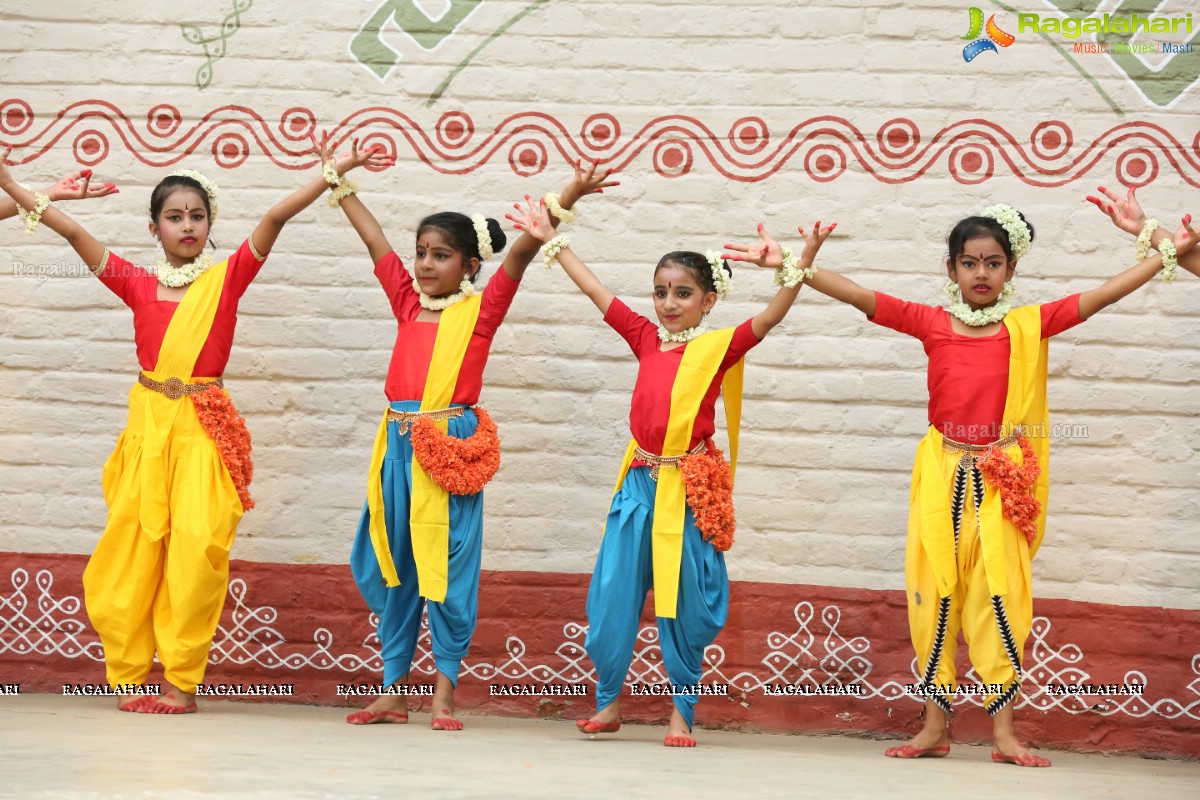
(1062, 51)
(440, 90)
(371, 51)
(214, 53)
(1162, 86)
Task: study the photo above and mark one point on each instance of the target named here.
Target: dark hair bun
(497, 234)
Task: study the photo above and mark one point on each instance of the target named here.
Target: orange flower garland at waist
(1016, 483)
(708, 485)
(226, 427)
(460, 466)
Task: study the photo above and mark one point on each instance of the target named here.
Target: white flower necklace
(984, 316)
(430, 303)
(684, 336)
(175, 277)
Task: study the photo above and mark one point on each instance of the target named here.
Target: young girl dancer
(421, 533)
(67, 188)
(980, 480)
(176, 485)
(671, 517)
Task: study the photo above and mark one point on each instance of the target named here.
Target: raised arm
(534, 222)
(1138, 275)
(584, 182)
(769, 254)
(264, 236)
(89, 249)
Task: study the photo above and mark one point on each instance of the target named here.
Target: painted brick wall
(834, 405)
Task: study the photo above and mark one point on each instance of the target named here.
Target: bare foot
(173, 701)
(680, 734)
(443, 706)
(391, 708)
(933, 741)
(606, 720)
(1007, 749)
(132, 702)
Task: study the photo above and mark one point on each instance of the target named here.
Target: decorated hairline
(209, 187)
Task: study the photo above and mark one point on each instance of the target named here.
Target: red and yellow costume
(967, 563)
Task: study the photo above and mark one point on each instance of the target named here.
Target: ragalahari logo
(994, 37)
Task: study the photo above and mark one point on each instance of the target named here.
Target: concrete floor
(65, 747)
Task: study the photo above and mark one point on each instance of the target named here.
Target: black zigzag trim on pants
(957, 500)
(932, 692)
(1010, 648)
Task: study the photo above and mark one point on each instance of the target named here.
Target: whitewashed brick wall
(834, 404)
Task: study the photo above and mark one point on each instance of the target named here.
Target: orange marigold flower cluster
(460, 466)
(1016, 483)
(708, 484)
(226, 427)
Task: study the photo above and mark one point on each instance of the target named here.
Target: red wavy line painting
(971, 151)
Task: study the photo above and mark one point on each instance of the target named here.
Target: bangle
(790, 274)
(31, 218)
(1170, 262)
(560, 213)
(330, 173)
(1144, 238)
(345, 188)
(553, 247)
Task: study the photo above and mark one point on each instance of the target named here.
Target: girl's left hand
(1185, 237)
(1126, 214)
(768, 255)
(534, 219)
(813, 241)
(69, 188)
(587, 181)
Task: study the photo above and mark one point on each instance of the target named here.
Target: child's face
(439, 268)
(679, 301)
(980, 271)
(182, 226)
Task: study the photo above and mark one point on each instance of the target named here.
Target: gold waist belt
(656, 461)
(174, 388)
(972, 451)
(405, 418)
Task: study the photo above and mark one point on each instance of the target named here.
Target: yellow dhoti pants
(145, 593)
(995, 626)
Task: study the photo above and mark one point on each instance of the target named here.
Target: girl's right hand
(1126, 214)
(5, 176)
(768, 254)
(69, 188)
(534, 219)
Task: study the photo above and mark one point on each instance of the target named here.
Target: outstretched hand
(768, 254)
(70, 188)
(5, 174)
(374, 157)
(534, 219)
(1185, 237)
(813, 241)
(1126, 213)
(589, 181)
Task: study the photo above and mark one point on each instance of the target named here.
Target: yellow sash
(700, 363)
(1025, 406)
(429, 508)
(181, 346)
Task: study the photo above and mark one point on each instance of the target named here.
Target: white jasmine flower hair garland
(1018, 232)
(984, 316)
(209, 187)
(483, 235)
(722, 281)
(430, 303)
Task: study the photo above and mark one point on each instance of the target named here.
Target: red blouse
(414, 340)
(138, 288)
(968, 375)
(650, 408)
